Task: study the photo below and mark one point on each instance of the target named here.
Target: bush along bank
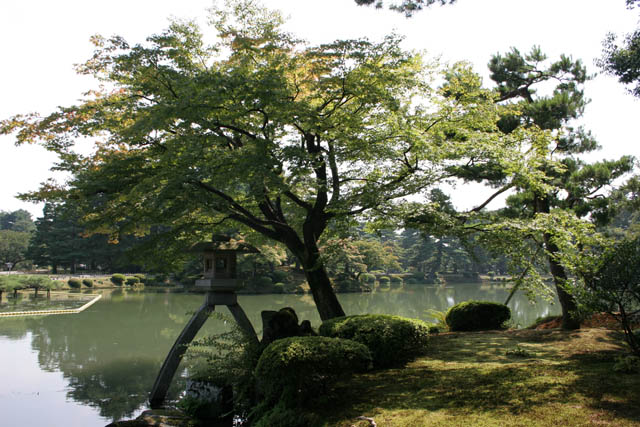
(292, 373)
(477, 316)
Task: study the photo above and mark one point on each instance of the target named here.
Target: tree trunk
(567, 302)
(314, 270)
(321, 289)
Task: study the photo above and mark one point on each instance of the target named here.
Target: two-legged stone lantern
(219, 280)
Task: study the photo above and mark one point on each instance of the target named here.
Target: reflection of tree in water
(117, 388)
(14, 328)
(111, 353)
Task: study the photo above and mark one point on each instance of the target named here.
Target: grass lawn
(468, 379)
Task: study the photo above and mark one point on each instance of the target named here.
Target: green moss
(467, 379)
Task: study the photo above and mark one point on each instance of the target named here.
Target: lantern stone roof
(221, 243)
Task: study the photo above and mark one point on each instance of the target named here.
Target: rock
(283, 324)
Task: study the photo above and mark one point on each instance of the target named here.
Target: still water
(91, 368)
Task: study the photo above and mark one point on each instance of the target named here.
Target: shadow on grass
(470, 375)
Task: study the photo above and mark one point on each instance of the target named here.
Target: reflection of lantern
(219, 280)
(219, 258)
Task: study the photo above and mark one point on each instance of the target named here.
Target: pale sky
(40, 40)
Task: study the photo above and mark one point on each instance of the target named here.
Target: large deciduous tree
(13, 247)
(262, 130)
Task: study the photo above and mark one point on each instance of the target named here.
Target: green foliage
(392, 340)
(477, 316)
(440, 317)
(518, 351)
(384, 280)
(294, 370)
(279, 276)
(226, 359)
(74, 283)
(623, 61)
(19, 220)
(8, 283)
(281, 415)
(367, 278)
(36, 282)
(612, 285)
(627, 364)
(132, 280)
(13, 247)
(282, 138)
(396, 279)
(407, 7)
(263, 282)
(88, 283)
(198, 408)
(278, 288)
(118, 279)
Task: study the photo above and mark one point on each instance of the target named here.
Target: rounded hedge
(396, 279)
(88, 283)
(263, 282)
(132, 280)
(278, 288)
(297, 368)
(118, 279)
(477, 316)
(279, 276)
(391, 339)
(367, 278)
(74, 283)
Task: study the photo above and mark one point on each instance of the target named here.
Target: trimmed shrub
(88, 283)
(278, 288)
(477, 316)
(74, 283)
(367, 278)
(396, 280)
(279, 276)
(293, 370)
(132, 280)
(282, 416)
(118, 279)
(140, 276)
(263, 282)
(392, 340)
(384, 280)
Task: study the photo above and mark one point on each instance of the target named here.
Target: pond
(91, 368)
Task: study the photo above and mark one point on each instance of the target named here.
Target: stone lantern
(219, 260)
(219, 281)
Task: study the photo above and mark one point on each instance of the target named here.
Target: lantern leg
(243, 321)
(170, 365)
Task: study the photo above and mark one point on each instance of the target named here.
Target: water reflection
(110, 354)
